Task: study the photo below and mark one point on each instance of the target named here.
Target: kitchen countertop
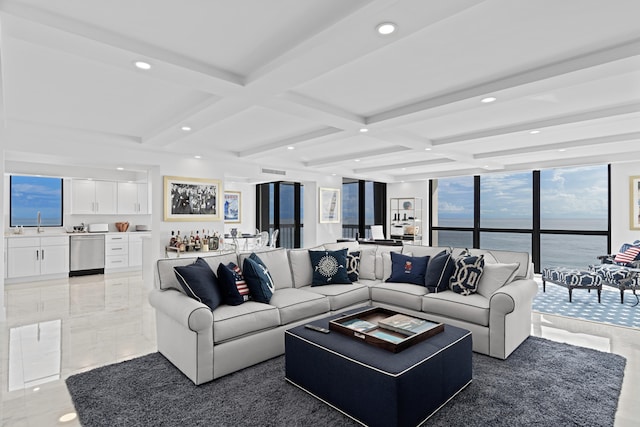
(67, 233)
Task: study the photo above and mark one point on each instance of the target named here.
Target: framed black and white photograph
(191, 199)
(232, 206)
(329, 205)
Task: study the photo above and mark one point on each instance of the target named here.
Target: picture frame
(191, 199)
(232, 206)
(329, 204)
(634, 202)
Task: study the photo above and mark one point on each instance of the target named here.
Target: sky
(30, 194)
(567, 193)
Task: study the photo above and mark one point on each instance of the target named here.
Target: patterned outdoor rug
(585, 305)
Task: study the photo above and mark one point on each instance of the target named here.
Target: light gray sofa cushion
(277, 263)
(495, 276)
(350, 246)
(249, 317)
(367, 262)
(405, 295)
(301, 267)
(418, 250)
(166, 277)
(472, 308)
(382, 250)
(341, 296)
(295, 304)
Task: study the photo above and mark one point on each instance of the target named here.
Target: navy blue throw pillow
(329, 267)
(439, 272)
(232, 284)
(467, 275)
(408, 269)
(258, 279)
(199, 282)
(353, 266)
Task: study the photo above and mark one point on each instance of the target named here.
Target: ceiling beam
(353, 156)
(404, 165)
(609, 139)
(539, 124)
(602, 56)
(289, 141)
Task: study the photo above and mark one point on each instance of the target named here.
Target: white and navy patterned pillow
(329, 267)
(353, 266)
(467, 274)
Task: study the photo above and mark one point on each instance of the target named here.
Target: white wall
(411, 189)
(620, 208)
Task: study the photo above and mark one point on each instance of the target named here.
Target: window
(32, 194)
(364, 203)
(560, 216)
(279, 206)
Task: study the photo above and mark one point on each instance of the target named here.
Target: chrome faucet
(39, 219)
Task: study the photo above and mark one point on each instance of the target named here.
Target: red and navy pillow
(232, 284)
(408, 269)
(628, 253)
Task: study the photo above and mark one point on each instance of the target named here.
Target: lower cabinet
(36, 256)
(124, 250)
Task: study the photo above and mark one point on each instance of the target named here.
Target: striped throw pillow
(628, 255)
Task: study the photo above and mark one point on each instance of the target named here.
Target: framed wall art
(329, 205)
(634, 202)
(232, 206)
(191, 199)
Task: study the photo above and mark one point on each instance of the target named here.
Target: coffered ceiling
(290, 84)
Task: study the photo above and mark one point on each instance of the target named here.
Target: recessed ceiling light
(333, 174)
(363, 130)
(36, 389)
(562, 150)
(197, 156)
(404, 169)
(427, 149)
(386, 28)
(185, 128)
(356, 160)
(291, 148)
(533, 132)
(120, 169)
(142, 65)
(488, 99)
(486, 166)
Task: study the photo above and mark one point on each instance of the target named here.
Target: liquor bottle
(178, 239)
(172, 241)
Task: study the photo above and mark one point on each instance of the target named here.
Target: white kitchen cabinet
(135, 248)
(116, 251)
(35, 256)
(133, 198)
(93, 197)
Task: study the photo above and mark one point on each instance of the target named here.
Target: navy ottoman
(572, 279)
(374, 386)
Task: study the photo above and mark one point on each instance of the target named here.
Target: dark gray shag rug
(543, 383)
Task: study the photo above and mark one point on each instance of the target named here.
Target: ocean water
(564, 250)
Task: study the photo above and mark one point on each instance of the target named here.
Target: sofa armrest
(518, 293)
(184, 310)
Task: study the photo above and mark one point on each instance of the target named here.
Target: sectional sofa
(206, 344)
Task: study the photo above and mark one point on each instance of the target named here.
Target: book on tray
(360, 325)
(406, 325)
(386, 336)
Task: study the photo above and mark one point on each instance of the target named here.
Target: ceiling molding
(601, 56)
(289, 141)
(544, 123)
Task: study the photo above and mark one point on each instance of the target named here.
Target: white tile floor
(57, 328)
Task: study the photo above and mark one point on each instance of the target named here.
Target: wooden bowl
(122, 226)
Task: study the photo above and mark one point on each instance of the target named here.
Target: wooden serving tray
(392, 341)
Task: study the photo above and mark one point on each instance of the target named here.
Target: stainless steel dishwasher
(86, 254)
